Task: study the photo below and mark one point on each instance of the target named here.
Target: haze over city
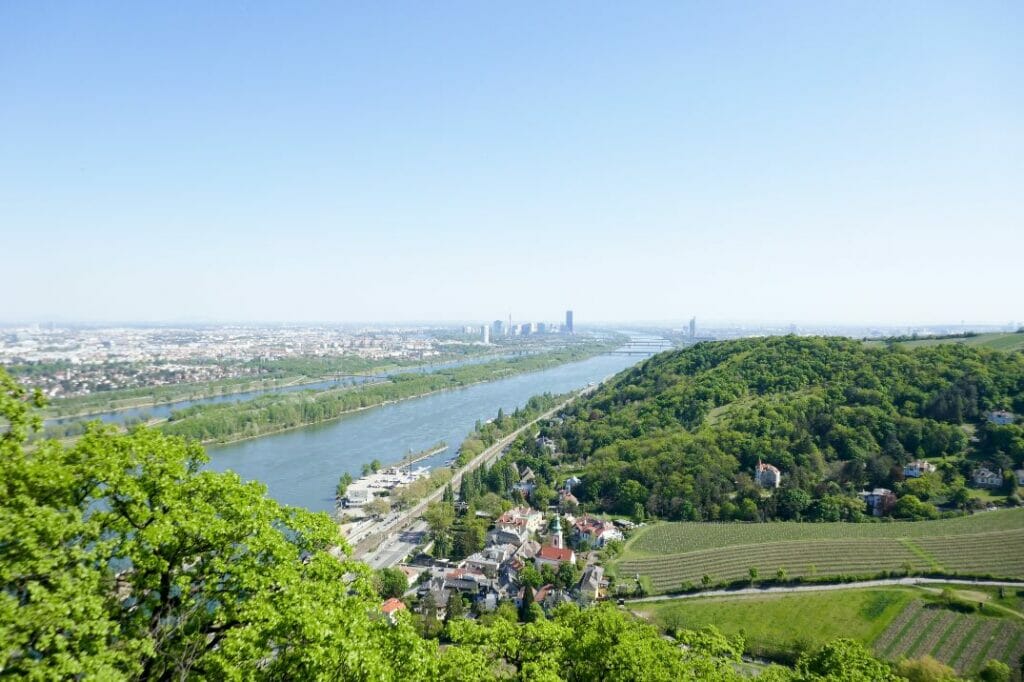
(806, 162)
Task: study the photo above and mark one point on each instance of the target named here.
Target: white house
(880, 500)
(1001, 417)
(918, 469)
(986, 478)
(390, 609)
(767, 476)
(1020, 476)
(590, 583)
(520, 518)
(595, 532)
(490, 559)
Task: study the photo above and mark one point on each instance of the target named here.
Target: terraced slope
(671, 554)
(963, 641)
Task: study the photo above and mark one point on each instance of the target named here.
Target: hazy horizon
(781, 162)
(449, 322)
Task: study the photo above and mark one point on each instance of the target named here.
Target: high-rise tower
(693, 327)
(568, 322)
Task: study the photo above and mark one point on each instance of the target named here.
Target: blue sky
(851, 162)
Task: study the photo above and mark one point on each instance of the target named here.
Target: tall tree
(123, 557)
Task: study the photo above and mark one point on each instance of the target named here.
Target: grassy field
(1006, 341)
(897, 623)
(671, 554)
(782, 626)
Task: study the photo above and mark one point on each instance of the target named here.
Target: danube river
(302, 467)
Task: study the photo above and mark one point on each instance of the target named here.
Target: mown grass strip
(921, 554)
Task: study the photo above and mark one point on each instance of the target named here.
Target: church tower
(556, 532)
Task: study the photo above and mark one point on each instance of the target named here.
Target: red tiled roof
(392, 605)
(555, 553)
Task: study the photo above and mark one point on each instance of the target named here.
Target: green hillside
(679, 436)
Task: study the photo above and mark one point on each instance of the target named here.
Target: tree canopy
(123, 557)
(682, 433)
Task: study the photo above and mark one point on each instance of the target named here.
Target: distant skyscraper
(487, 334)
(508, 329)
(693, 327)
(497, 328)
(568, 322)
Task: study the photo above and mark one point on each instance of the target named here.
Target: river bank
(301, 467)
(180, 394)
(226, 423)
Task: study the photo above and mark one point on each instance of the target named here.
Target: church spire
(556, 532)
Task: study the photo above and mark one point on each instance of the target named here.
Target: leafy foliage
(682, 432)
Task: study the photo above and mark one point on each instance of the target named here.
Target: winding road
(779, 589)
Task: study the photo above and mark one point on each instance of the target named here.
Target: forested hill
(679, 435)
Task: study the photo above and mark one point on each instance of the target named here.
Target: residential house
(918, 468)
(986, 478)
(591, 583)
(767, 476)
(435, 593)
(549, 596)
(467, 580)
(525, 487)
(1019, 473)
(520, 518)
(490, 559)
(566, 500)
(510, 535)
(880, 501)
(390, 608)
(1001, 417)
(572, 482)
(595, 532)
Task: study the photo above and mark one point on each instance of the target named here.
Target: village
(539, 556)
(529, 556)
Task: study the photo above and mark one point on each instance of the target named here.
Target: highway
(397, 546)
(387, 551)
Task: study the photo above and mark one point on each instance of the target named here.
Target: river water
(302, 467)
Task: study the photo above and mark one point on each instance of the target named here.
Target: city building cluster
(501, 328)
(521, 539)
(75, 361)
